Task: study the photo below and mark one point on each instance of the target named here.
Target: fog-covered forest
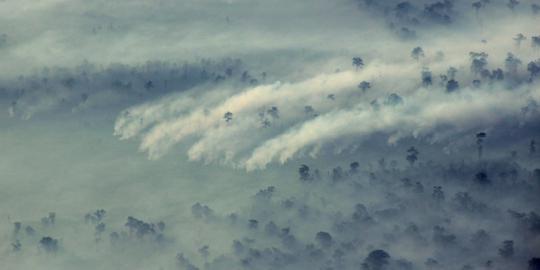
(250, 134)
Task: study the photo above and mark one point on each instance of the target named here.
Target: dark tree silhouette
(393, 100)
(535, 9)
(182, 261)
(534, 68)
(427, 78)
(512, 4)
(353, 167)
(511, 64)
(535, 41)
(49, 244)
(364, 85)
(439, 12)
(357, 62)
(324, 239)
(201, 211)
(442, 237)
(482, 178)
(519, 38)
(29, 230)
(452, 85)
(95, 217)
(477, 6)
(412, 155)
(438, 194)
(274, 112)
(204, 251)
(17, 227)
(376, 260)
(16, 246)
(304, 173)
(480, 143)
(507, 249)
(478, 62)
(228, 116)
(534, 263)
(451, 73)
(417, 53)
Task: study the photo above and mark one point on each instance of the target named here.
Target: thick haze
(249, 134)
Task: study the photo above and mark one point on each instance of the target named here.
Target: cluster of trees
(421, 206)
(47, 243)
(137, 230)
(406, 17)
(510, 75)
(116, 85)
(358, 217)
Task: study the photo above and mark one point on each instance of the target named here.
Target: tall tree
(412, 155)
(480, 143)
(358, 62)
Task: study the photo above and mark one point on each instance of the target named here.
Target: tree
(439, 12)
(497, 74)
(201, 211)
(427, 78)
(417, 53)
(480, 143)
(48, 220)
(451, 72)
(478, 61)
(482, 178)
(364, 85)
(204, 251)
(535, 9)
(511, 64)
(182, 261)
(512, 4)
(228, 116)
(49, 244)
(274, 112)
(324, 239)
(17, 227)
(412, 155)
(534, 263)
(376, 260)
(271, 228)
(534, 68)
(442, 237)
(95, 217)
(535, 41)
(438, 194)
(393, 100)
(353, 167)
(253, 224)
(337, 174)
(452, 85)
(16, 245)
(519, 38)
(507, 249)
(357, 62)
(310, 111)
(148, 85)
(29, 230)
(477, 6)
(304, 173)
